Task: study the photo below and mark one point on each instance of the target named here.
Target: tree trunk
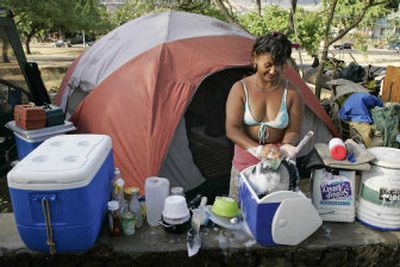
(6, 59)
(324, 56)
(291, 17)
(227, 15)
(258, 3)
(28, 40)
(327, 42)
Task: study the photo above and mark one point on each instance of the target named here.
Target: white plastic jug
(156, 189)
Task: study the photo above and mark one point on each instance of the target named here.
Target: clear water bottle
(118, 186)
(135, 206)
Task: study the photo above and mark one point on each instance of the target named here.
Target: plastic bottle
(156, 190)
(135, 206)
(128, 220)
(118, 186)
(337, 149)
(177, 190)
(114, 219)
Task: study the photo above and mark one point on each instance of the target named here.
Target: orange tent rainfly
(158, 85)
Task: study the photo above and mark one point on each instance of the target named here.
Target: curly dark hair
(276, 44)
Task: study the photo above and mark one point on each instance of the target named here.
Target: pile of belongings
(363, 116)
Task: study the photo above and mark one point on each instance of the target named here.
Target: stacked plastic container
(28, 140)
(59, 192)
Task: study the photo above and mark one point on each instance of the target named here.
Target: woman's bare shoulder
(293, 89)
(237, 87)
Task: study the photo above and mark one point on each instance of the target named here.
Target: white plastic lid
(386, 157)
(42, 133)
(113, 205)
(61, 162)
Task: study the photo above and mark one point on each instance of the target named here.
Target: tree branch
(357, 21)
(258, 4)
(227, 14)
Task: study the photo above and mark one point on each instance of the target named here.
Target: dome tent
(137, 83)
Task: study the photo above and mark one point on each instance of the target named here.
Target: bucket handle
(47, 217)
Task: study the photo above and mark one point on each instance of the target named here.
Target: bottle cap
(177, 190)
(117, 172)
(120, 182)
(338, 152)
(113, 205)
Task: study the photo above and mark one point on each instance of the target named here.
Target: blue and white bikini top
(281, 120)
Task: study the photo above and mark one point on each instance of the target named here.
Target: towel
(360, 157)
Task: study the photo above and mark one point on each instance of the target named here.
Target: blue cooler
(59, 192)
(28, 140)
(279, 218)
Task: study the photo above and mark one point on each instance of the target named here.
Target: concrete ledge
(334, 244)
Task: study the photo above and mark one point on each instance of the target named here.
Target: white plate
(223, 221)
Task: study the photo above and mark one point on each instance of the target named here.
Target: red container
(29, 117)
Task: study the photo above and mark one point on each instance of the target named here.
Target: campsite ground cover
(54, 62)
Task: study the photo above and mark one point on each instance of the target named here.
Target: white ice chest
(279, 218)
(73, 174)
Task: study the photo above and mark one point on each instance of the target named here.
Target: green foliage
(347, 10)
(310, 30)
(274, 18)
(136, 8)
(33, 16)
(309, 25)
(360, 42)
(132, 9)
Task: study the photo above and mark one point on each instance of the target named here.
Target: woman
(264, 111)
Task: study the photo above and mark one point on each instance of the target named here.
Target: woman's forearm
(291, 138)
(240, 138)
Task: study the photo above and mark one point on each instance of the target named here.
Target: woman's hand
(288, 150)
(266, 152)
(271, 152)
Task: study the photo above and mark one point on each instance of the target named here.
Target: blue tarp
(356, 107)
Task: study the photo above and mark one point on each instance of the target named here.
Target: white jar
(156, 189)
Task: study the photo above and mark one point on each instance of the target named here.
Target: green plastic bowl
(225, 206)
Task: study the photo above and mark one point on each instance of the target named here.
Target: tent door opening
(205, 124)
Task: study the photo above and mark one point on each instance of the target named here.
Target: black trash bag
(353, 72)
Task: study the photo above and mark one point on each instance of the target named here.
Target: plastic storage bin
(28, 140)
(279, 218)
(72, 174)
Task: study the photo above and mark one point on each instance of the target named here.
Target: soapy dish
(233, 223)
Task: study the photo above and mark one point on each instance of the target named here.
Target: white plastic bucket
(379, 201)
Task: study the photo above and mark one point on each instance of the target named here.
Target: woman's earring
(254, 66)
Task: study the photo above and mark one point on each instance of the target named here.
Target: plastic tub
(28, 140)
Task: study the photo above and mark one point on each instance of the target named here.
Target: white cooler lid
(387, 157)
(61, 162)
(42, 132)
(294, 221)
